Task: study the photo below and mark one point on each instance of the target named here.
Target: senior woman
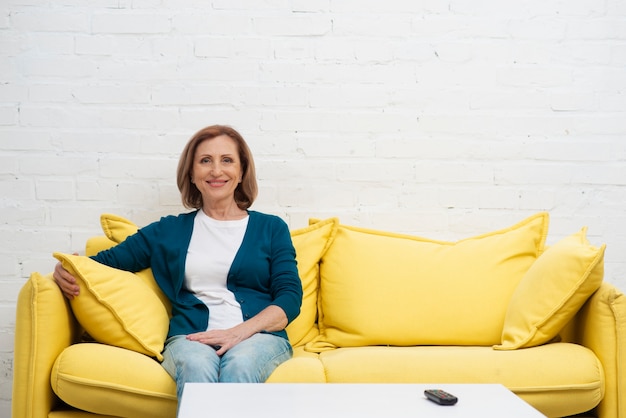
(229, 272)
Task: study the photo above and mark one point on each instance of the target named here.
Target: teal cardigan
(263, 272)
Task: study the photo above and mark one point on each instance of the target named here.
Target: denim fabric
(250, 361)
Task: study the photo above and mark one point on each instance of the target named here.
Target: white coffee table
(363, 400)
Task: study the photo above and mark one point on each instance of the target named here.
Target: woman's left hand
(271, 318)
(221, 340)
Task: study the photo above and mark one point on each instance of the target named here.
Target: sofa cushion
(113, 381)
(381, 288)
(552, 291)
(310, 244)
(117, 228)
(543, 376)
(116, 307)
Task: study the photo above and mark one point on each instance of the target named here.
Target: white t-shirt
(211, 252)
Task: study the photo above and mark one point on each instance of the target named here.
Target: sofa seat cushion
(113, 381)
(558, 379)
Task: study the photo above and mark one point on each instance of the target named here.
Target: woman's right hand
(66, 282)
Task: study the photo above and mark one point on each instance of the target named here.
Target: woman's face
(217, 169)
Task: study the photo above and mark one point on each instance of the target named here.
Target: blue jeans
(250, 361)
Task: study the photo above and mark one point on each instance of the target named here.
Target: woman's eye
(228, 160)
(205, 160)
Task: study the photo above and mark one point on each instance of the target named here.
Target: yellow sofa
(501, 307)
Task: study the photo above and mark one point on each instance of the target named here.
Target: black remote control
(440, 397)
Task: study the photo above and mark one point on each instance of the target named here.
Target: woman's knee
(253, 360)
(190, 361)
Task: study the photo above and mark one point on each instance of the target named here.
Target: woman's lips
(217, 183)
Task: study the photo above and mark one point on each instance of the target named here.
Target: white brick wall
(439, 118)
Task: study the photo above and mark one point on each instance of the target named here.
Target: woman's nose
(216, 169)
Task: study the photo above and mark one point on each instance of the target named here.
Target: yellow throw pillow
(117, 228)
(116, 307)
(311, 244)
(381, 288)
(552, 291)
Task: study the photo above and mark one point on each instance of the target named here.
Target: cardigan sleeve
(286, 286)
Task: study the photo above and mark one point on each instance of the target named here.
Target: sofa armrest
(45, 326)
(600, 325)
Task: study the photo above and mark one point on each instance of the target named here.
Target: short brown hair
(246, 191)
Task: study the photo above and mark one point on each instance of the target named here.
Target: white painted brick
(10, 46)
(17, 189)
(616, 8)
(50, 20)
(169, 144)
(130, 23)
(98, 143)
(293, 48)
(13, 92)
(8, 115)
(250, 47)
(14, 139)
(8, 267)
(207, 22)
(102, 44)
(35, 240)
(511, 99)
(350, 146)
(169, 197)
(198, 117)
(55, 165)
(541, 28)
(454, 172)
(112, 93)
(293, 25)
(184, 95)
(8, 166)
(334, 49)
(56, 67)
(50, 93)
(386, 26)
(349, 97)
(574, 101)
(534, 76)
(219, 70)
(9, 68)
(23, 212)
(137, 168)
(6, 345)
(55, 189)
(134, 117)
(596, 29)
(96, 190)
(374, 171)
(138, 194)
(50, 43)
(618, 55)
(70, 215)
(286, 96)
(310, 6)
(250, 4)
(375, 7)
